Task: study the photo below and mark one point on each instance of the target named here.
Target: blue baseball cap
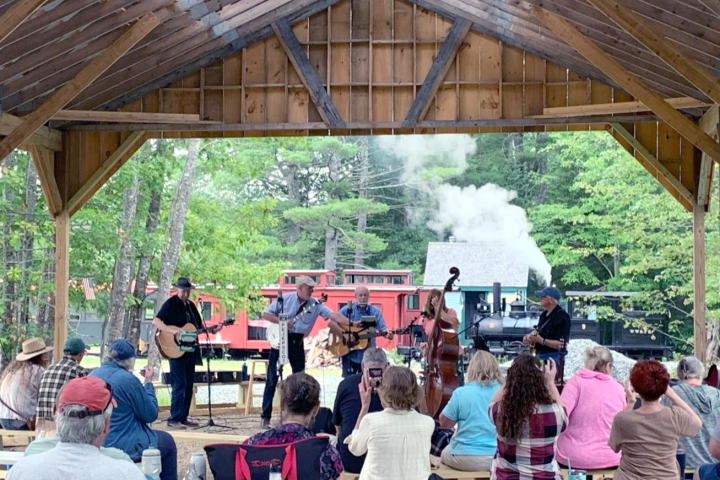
(124, 349)
(551, 292)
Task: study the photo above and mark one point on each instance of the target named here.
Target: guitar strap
(300, 308)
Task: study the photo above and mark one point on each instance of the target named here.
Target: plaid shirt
(533, 458)
(53, 380)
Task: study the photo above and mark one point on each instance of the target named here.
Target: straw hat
(32, 348)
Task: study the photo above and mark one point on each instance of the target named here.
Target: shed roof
(480, 264)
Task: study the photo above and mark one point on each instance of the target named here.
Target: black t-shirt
(553, 326)
(176, 313)
(345, 415)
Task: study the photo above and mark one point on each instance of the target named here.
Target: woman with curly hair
(648, 436)
(396, 440)
(529, 416)
(301, 400)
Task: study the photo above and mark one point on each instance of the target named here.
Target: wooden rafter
(438, 70)
(43, 136)
(307, 73)
(16, 15)
(659, 167)
(126, 150)
(67, 92)
(125, 117)
(615, 108)
(630, 83)
(671, 54)
(712, 5)
(44, 161)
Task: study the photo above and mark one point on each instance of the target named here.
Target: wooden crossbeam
(43, 136)
(629, 82)
(85, 77)
(615, 108)
(437, 72)
(126, 150)
(124, 117)
(661, 170)
(657, 43)
(307, 73)
(44, 161)
(16, 15)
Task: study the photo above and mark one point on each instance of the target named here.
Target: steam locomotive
(597, 316)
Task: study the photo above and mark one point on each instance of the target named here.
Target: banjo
(272, 333)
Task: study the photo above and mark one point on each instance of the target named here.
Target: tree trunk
(123, 266)
(46, 295)
(171, 252)
(616, 260)
(10, 254)
(141, 280)
(331, 233)
(362, 193)
(542, 170)
(28, 242)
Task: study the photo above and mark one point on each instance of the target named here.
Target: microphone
(349, 306)
(280, 301)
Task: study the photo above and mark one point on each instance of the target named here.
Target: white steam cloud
(423, 152)
(485, 215)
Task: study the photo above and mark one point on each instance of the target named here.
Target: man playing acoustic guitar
(177, 311)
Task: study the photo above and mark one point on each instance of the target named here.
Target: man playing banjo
(302, 310)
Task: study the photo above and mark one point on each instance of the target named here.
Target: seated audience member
(529, 416)
(136, 407)
(705, 402)
(648, 436)
(348, 405)
(55, 378)
(20, 385)
(396, 440)
(591, 398)
(301, 401)
(83, 415)
(473, 446)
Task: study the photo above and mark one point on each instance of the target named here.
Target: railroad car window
(395, 279)
(315, 279)
(290, 280)
(378, 278)
(413, 302)
(330, 280)
(206, 310)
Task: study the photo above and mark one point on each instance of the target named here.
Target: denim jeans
(296, 354)
(182, 377)
(11, 424)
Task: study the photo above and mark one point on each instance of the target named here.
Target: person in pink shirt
(592, 398)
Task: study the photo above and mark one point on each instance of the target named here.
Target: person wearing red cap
(83, 407)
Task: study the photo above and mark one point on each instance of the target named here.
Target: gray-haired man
(84, 407)
(348, 403)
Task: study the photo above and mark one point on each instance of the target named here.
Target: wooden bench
(189, 436)
(7, 459)
(451, 474)
(16, 438)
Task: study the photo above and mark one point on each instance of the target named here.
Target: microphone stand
(209, 356)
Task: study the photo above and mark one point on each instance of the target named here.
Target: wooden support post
(709, 123)
(671, 54)
(16, 15)
(62, 277)
(438, 70)
(699, 281)
(87, 75)
(307, 73)
(629, 82)
(44, 161)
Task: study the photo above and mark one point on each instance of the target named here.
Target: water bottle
(275, 472)
(198, 460)
(191, 474)
(151, 463)
(244, 375)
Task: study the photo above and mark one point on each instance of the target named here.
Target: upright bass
(442, 354)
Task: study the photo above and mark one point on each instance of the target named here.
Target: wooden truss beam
(85, 77)
(630, 83)
(661, 170)
(307, 73)
(712, 5)
(16, 15)
(438, 70)
(671, 54)
(106, 170)
(44, 161)
(709, 123)
(43, 136)
(615, 108)
(124, 117)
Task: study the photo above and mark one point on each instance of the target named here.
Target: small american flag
(88, 288)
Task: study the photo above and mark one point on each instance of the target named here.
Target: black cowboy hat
(184, 283)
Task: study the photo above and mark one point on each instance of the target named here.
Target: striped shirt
(533, 458)
(53, 380)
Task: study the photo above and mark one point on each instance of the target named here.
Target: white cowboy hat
(32, 348)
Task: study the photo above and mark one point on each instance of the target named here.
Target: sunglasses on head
(92, 413)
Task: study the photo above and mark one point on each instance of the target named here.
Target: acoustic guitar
(353, 338)
(173, 346)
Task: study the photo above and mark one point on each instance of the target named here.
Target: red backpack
(252, 462)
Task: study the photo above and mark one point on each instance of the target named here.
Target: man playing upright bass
(302, 311)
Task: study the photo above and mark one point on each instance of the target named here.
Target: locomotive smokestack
(496, 297)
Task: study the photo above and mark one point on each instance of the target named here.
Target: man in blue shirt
(362, 308)
(302, 311)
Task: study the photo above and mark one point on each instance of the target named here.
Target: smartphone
(375, 377)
